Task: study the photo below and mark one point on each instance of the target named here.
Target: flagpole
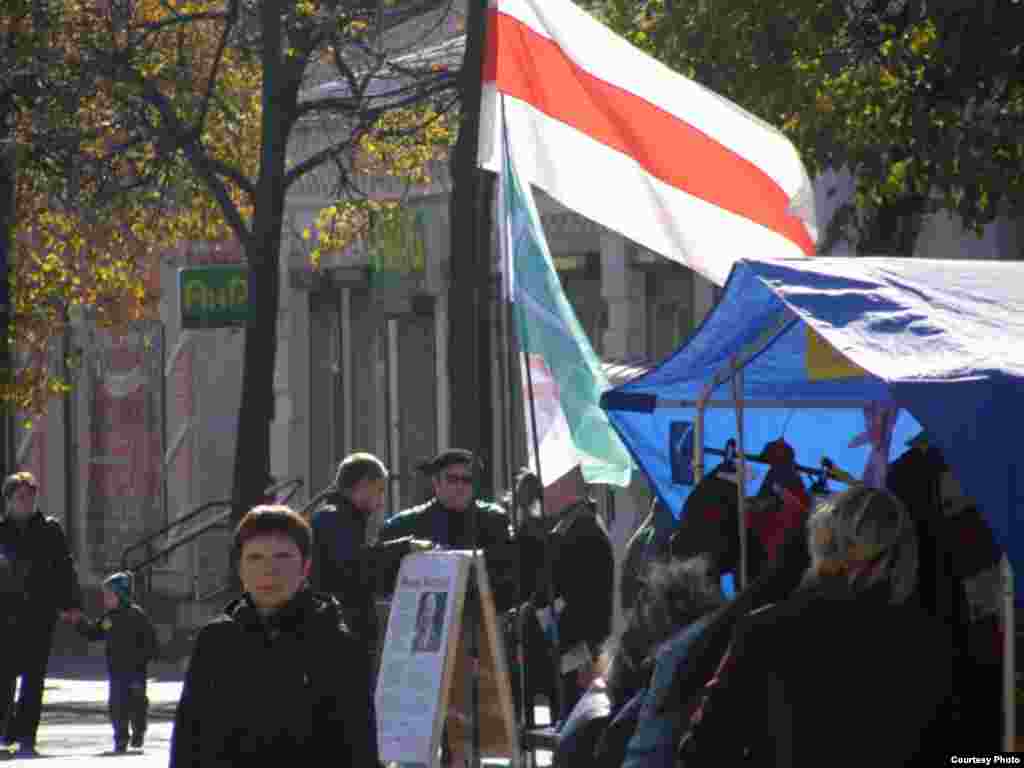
(556, 656)
(517, 522)
(524, 345)
(516, 512)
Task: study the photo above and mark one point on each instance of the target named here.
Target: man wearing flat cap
(448, 518)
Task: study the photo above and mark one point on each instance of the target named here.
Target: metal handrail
(147, 540)
(143, 543)
(307, 509)
(273, 490)
(215, 522)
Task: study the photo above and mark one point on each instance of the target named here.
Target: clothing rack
(827, 470)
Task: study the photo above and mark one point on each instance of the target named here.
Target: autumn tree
(922, 102)
(188, 121)
(61, 257)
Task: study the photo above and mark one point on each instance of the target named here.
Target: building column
(623, 290)
(703, 298)
(180, 459)
(289, 431)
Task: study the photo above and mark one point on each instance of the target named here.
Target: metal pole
(698, 437)
(557, 704)
(741, 485)
(517, 521)
(1009, 660)
(394, 418)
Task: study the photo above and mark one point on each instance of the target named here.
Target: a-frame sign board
(424, 683)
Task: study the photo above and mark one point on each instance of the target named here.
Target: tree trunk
(469, 361)
(256, 409)
(263, 253)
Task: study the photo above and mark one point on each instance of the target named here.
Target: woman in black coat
(278, 679)
(847, 671)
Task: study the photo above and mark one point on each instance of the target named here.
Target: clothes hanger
(727, 469)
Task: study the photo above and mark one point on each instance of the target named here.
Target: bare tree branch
(153, 27)
(232, 18)
(316, 159)
(209, 170)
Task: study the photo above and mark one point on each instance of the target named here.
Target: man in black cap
(448, 519)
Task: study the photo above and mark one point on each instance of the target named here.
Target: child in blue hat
(131, 645)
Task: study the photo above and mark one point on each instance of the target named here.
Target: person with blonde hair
(849, 670)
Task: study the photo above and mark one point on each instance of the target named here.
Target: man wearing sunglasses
(448, 519)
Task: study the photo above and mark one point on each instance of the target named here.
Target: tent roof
(942, 339)
(908, 319)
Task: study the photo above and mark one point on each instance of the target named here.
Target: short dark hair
(271, 519)
(357, 467)
(447, 458)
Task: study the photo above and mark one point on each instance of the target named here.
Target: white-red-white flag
(616, 135)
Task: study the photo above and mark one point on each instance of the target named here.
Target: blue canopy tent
(943, 340)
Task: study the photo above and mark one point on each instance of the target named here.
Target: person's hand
(71, 616)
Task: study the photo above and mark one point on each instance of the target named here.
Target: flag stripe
(534, 69)
(595, 49)
(607, 187)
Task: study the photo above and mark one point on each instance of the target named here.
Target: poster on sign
(425, 663)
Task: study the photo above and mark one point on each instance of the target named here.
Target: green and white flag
(566, 375)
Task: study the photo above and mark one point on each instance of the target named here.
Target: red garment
(772, 524)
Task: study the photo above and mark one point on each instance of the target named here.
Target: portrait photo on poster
(429, 622)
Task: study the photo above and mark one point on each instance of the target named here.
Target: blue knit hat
(120, 584)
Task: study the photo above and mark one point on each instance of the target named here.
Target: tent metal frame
(732, 371)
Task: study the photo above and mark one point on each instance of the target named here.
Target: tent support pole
(741, 484)
(698, 438)
(1009, 660)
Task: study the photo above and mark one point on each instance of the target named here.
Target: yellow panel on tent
(824, 362)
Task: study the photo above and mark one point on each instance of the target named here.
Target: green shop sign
(213, 297)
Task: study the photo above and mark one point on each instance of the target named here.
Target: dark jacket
(650, 542)
(454, 530)
(652, 744)
(130, 636)
(37, 574)
(828, 678)
(290, 690)
(342, 566)
(582, 567)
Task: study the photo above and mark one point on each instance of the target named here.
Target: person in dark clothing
(649, 543)
(571, 611)
(453, 517)
(37, 584)
(956, 545)
(345, 564)
(848, 669)
(674, 595)
(278, 679)
(131, 646)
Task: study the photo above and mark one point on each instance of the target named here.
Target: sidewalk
(78, 684)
